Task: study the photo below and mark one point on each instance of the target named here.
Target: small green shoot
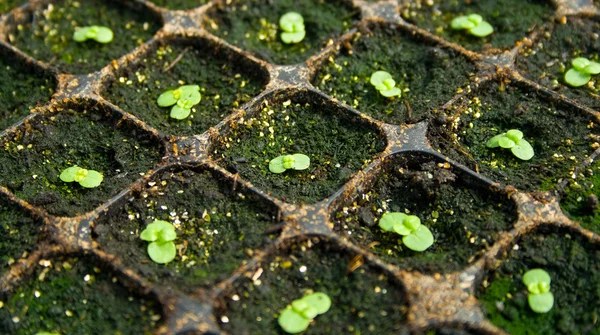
(297, 316)
(85, 178)
(416, 236)
(473, 24)
(183, 98)
(582, 71)
(97, 33)
(540, 298)
(384, 83)
(513, 140)
(46, 333)
(161, 235)
(282, 163)
(292, 28)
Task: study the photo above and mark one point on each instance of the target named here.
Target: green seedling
(473, 24)
(97, 33)
(582, 71)
(513, 140)
(282, 163)
(292, 28)
(85, 178)
(182, 99)
(46, 333)
(161, 235)
(384, 83)
(416, 236)
(540, 298)
(297, 316)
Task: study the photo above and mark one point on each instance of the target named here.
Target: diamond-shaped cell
(7, 5)
(547, 61)
(427, 75)
(89, 136)
(218, 227)
(462, 213)
(560, 135)
(436, 16)
(253, 25)
(226, 81)
(179, 4)
(337, 142)
(45, 32)
(364, 299)
(69, 295)
(573, 264)
(580, 198)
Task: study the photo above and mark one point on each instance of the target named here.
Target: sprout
(292, 26)
(513, 140)
(161, 235)
(98, 33)
(184, 98)
(417, 237)
(285, 162)
(540, 298)
(472, 23)
(384, 83)
(85, 178)
(582, 71)
(297, 316)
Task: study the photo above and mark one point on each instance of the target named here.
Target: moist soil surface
(222, 86)
(7, 5)
(429, 76)
(580, 200)
(132, 26)
(179, 4)
(19, 234)
(218, 227)
(364, 301)
(464, 216)
(574, 267)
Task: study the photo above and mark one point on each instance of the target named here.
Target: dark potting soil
(222, 86)
(33, 157)
(429, 76)
(70, 296)
(580, 200)
(464, 216)
(131, 27)
(337, 143)
(19, 233)
(179, 4)
(560, 136)
(364, 301)
(508, 27)
(574, 266)
(253, 25)
(7, 5)
(218, 227)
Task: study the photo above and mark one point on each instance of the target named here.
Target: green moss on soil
(217, 227)
(429, 76)
(21, 88)
(48, 34)
(59, 299)
(18, 234)
(223, 87)
(548, 60)
(508, 27)
(338, 146)
(179, 4)
(363, 302)
(32, 159)
(463, 216)
(576, 202)
(7, 5)
(560, 136)
(573, 265)
(253, 25)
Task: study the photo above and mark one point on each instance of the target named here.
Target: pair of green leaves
(296, 318)
(384, 83)
(183, 98)
(513, 140)
(540, 298)
(416, 236)
(282, 163)
(473, 24)
(85, 178)
(292, 27)
(582, 71)
(161, 235)
(99, 34)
